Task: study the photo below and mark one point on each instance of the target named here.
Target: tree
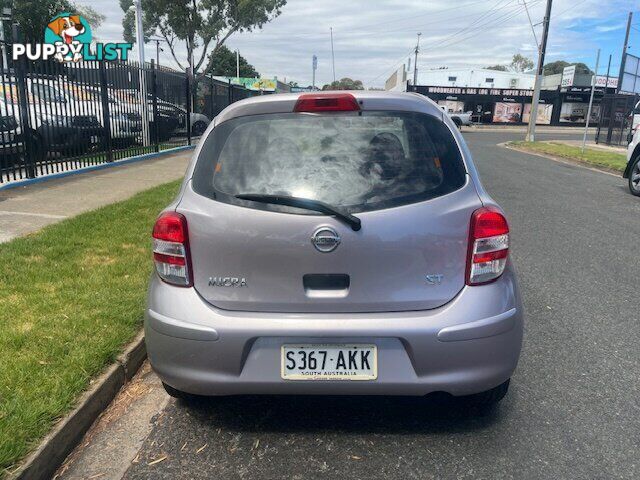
(344, 84)
(199, 24)
(34, 15)
(559, 66)
(521, 64)
(224, 64)
(91, 15)
(500, 68)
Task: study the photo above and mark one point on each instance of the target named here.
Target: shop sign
(480, 91)
(568, 75)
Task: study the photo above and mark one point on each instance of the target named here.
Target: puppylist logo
(67, 38)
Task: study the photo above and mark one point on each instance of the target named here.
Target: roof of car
(368, 100)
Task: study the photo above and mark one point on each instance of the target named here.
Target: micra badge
(227, 282)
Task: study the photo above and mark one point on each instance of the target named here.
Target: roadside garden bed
(592, 156)
(71, 296)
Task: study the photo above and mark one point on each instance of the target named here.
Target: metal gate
(616, 119)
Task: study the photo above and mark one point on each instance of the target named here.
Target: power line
(354, 29)
(450, 41)
(395, 65)
(500, 4)
(481, 17)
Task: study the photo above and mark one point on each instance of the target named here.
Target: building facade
(505, 97)
(476, 78)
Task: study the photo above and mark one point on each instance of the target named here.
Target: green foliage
(344, 84)
(224, 64)
(200, 23)
(559, 65)
(499, 68)
(521, 64)
(34, 15)
(91, 15)
(593, 156)
(71, 296)
(129, 22)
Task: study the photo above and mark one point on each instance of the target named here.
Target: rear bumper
(470, 345)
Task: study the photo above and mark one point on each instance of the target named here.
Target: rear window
(358, 161)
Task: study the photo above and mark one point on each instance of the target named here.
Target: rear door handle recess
(326, 285)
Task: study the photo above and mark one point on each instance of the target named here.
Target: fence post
(154, 103)
(212, 90)
(106, 115)
(25, 120)
(188, 115)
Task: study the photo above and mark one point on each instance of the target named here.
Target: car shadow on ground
(351, 414)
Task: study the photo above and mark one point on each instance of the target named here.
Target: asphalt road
(573, 408)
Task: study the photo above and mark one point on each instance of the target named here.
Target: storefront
(575, 105)
(561, 106)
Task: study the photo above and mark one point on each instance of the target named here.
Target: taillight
(171, 249)
(326, 102)
(488, 246)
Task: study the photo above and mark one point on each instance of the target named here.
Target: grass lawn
(71, 296)
(593, 156)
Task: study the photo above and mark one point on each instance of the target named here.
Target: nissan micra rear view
(333, 243)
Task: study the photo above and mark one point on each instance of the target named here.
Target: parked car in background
(53, 127)
(124, 122)
(169, 117)
(11, 139)
(458, 118)
(199, 121)
(634, 119)
(333, 243)
(632, 171)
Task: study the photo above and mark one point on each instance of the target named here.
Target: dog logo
(67, 38)
(70, 30)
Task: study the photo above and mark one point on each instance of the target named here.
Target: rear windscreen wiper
(305, 203)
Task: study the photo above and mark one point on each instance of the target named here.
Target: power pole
(144, 111)
(333, 59)
(415, 62)
(531, 131)
(624, 51)
(158, 53)
(314, 67)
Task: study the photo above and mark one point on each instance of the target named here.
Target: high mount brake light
(488, 246)
(326, 102)
(171, 249)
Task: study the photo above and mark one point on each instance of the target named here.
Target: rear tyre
(634, 178)
(488, 398)
(179, 394)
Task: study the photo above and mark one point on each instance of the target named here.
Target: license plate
(329, 362)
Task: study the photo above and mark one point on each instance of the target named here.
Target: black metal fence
(56, 117)
(616, 119)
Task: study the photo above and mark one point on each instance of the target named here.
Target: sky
(373, 38)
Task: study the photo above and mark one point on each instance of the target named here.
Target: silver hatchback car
(333, 243)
